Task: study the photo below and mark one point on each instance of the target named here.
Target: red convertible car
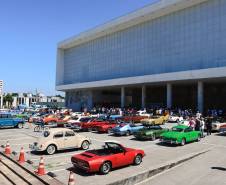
(112, 155)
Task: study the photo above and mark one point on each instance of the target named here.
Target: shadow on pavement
(218, 168)
(58, 152)
(166, 144)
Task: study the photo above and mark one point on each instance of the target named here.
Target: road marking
(18, 151)
(14, 135)
(215, 145)
(33, 136)
(63, 169)
(20, 144)
(102, 141)
(57, 156)
(12, 132)
(16, 139)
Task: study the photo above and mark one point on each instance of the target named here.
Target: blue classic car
(7, 120)
(126, 129)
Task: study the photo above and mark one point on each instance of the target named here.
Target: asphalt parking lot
(156, 154)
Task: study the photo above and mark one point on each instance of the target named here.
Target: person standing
(202, 125)
(209, 126)
(197, 125)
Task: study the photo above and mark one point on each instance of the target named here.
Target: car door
(58, 138)
(1, 120)
(6, 120)
(70, 140)
(11, 121)
(119, 156)
(188, 134)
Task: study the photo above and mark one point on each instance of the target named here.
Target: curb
(152, 172)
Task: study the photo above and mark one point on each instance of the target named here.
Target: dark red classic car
(106, 127)
(93, 124)
(112, 155)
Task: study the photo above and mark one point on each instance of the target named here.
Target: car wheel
(183, 142)
(37, 129)
(137, 159)
(85, 145)
(127, 133)
(153, 137)
(51, 149)
(20, 125)
(199, 138)
(89, 129)
(105, 168)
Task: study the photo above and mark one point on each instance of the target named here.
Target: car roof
(5, 113)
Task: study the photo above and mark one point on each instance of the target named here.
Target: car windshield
(176, 129)
(46, 133)
(84, 119)
(154, 127)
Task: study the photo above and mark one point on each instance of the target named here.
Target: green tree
(8, 98)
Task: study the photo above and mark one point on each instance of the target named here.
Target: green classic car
(24, 116)
(181, 134)
(150, 132)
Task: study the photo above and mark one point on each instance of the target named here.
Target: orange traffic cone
(7, 149)
(22, 156)
(71, 180)
(41, 169)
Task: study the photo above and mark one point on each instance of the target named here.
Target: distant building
(1, 93)
(30, 99)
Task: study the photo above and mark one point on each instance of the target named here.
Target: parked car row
(112, 154)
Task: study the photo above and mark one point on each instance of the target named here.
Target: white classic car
(216, 125)
(175, 118)
(59, 139)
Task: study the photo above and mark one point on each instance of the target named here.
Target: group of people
(201, 124)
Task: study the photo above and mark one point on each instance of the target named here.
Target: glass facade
(193, 38)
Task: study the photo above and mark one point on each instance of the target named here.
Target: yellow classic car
(155, 120)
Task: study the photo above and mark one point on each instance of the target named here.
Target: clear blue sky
(31, 29)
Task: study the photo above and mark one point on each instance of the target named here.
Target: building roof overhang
(150, 12)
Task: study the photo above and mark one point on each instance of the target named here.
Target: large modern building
(171, 53)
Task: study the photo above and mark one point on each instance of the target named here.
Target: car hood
(117, 129)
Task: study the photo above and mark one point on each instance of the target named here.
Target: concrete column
(200, 102)
(90, 100)
(143, 98)
(122, 97)
(1, 102)
(169, 95)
